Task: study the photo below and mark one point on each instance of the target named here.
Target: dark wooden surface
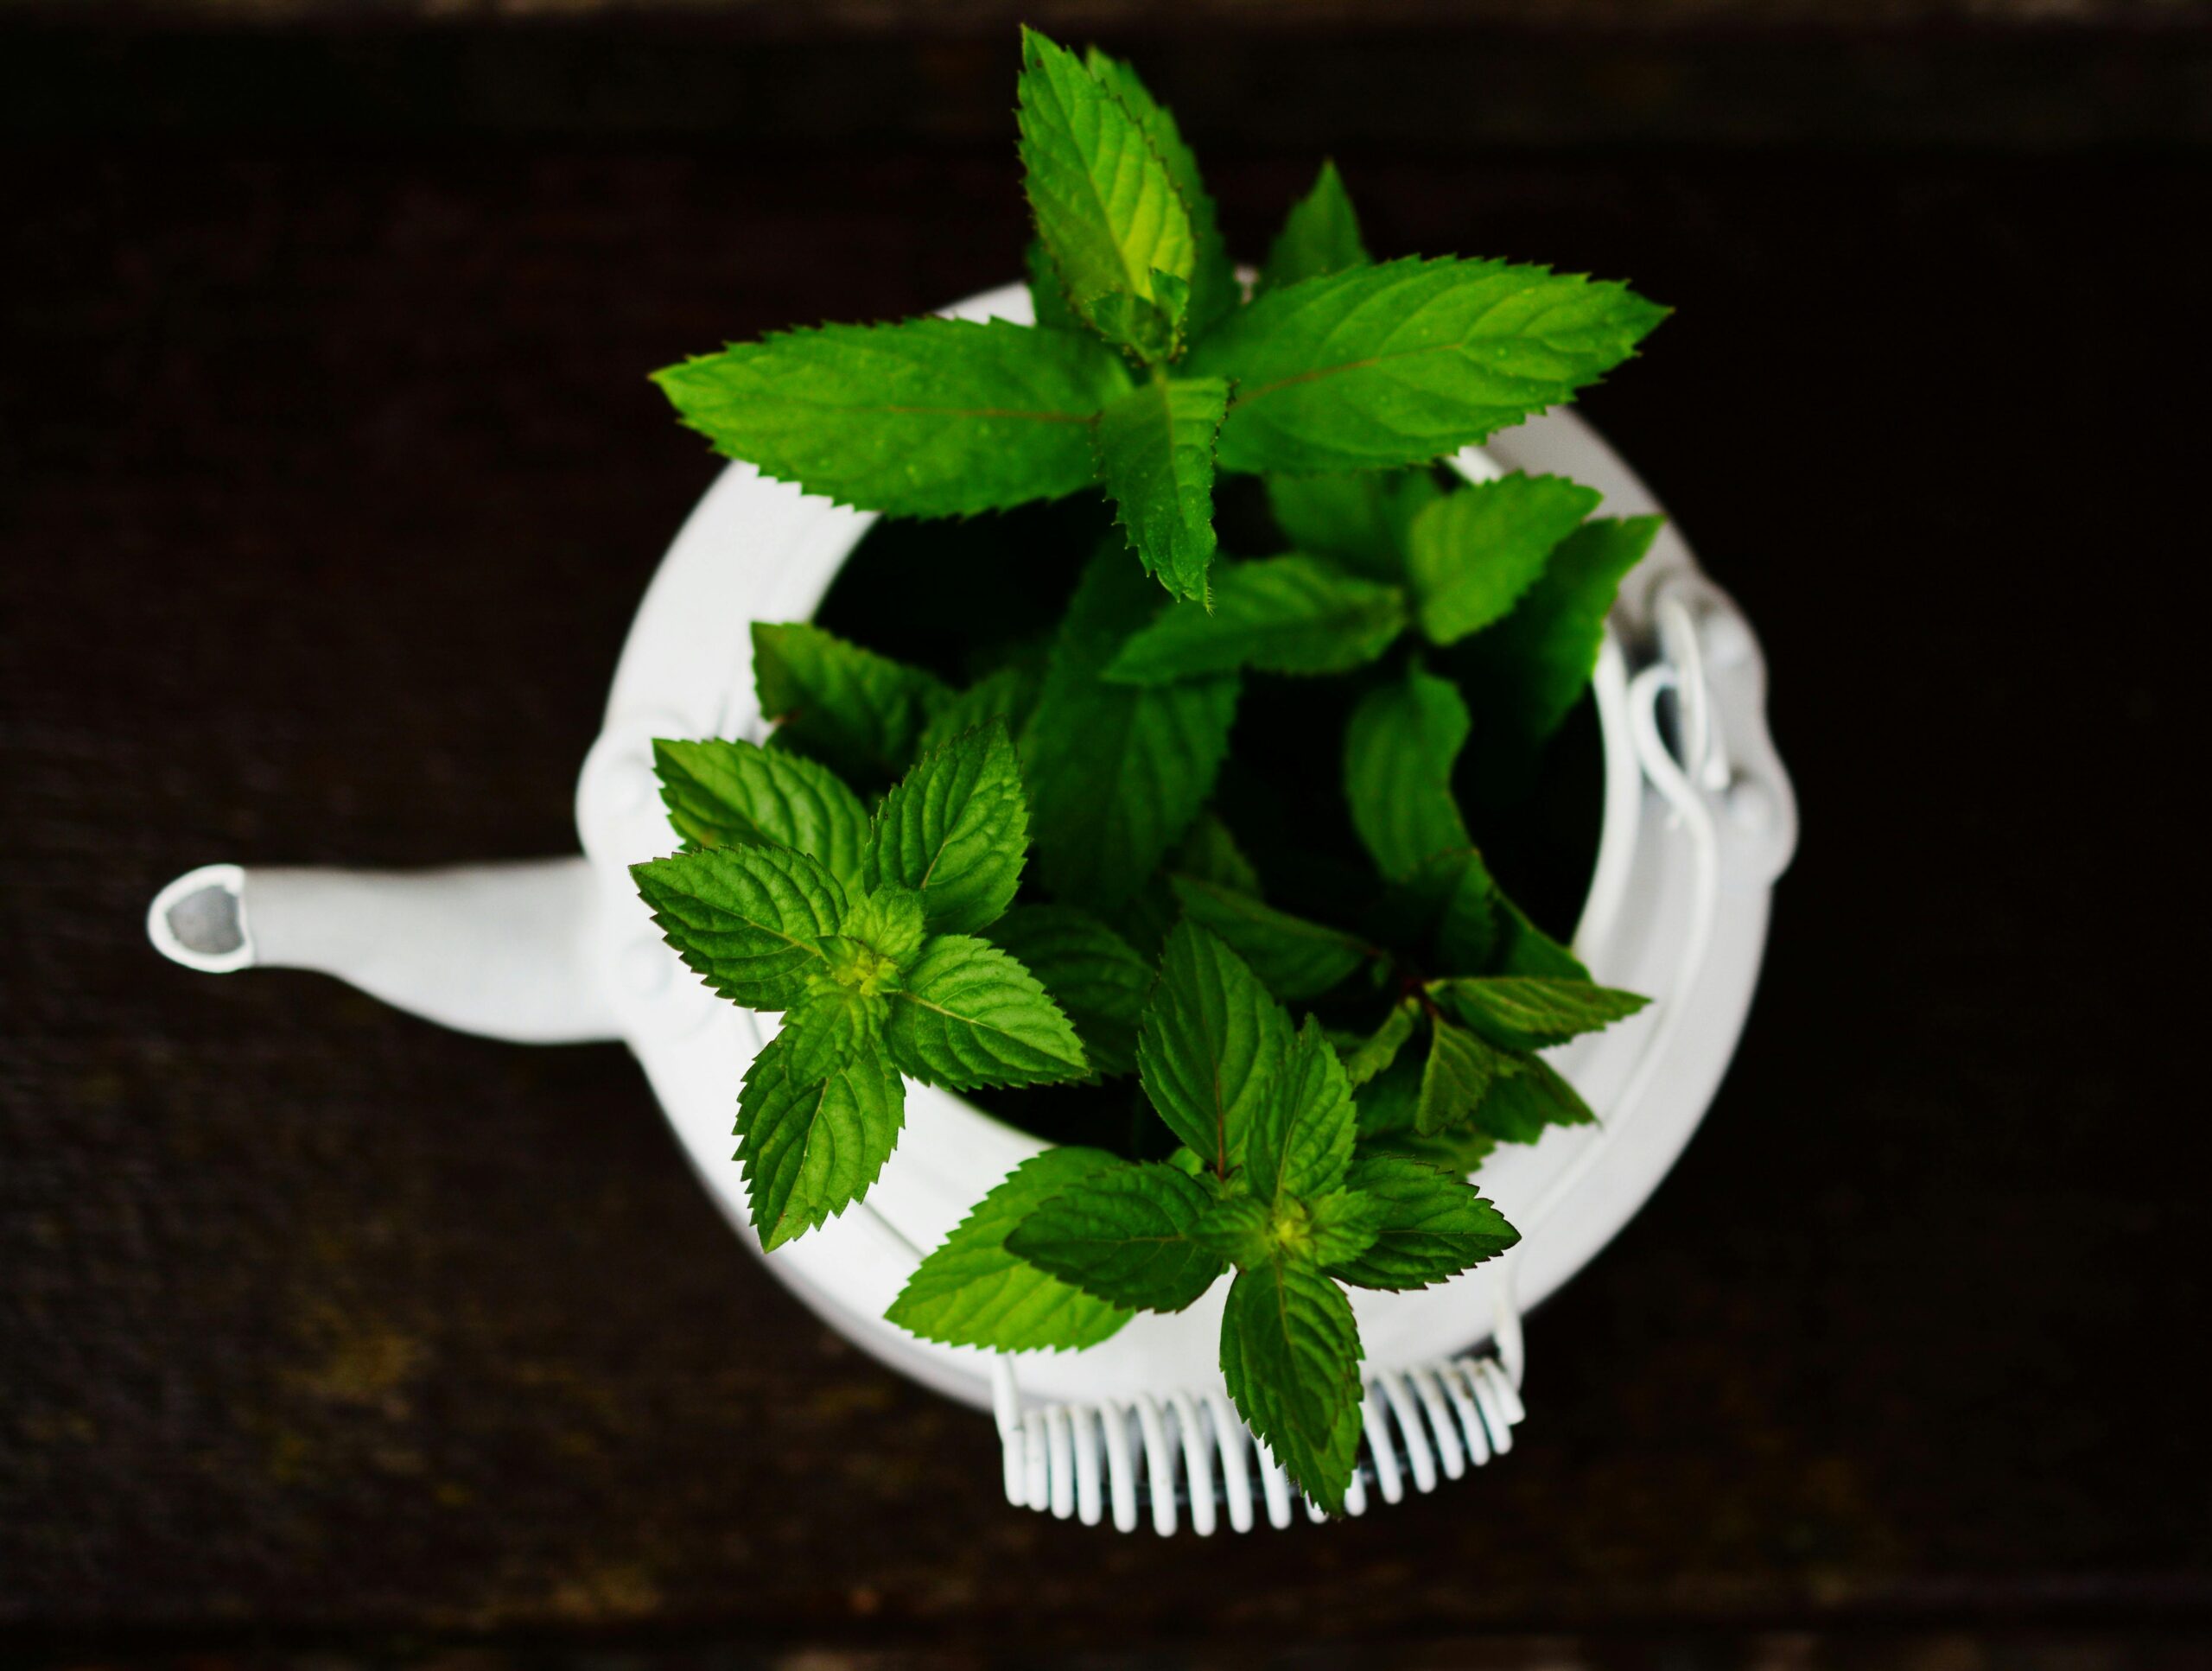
(328, 479)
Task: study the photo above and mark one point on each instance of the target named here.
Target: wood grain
(328, 479)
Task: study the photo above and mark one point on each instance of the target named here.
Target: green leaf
(734, 794)
(887, 922)
(1524, 949)
(1398, 751)
(1130, 1236)
(1144, 919)
(1210, 1042)
(1290, 1353)
(1048, 296)
(1458, 1072)
(1149, 330)
(1431, 1226)
(1527, 1097)
(1294, 959)
(955, 829)
(1210, 854)
(859, 713)
(809, 1147)
(1321, 235)
(1214, 288)
(1097, 977)
(972, 1290)
(1473, 554)
(1522, 1013)
(1342, 1225)
(1005, 696)
(929, 417)
(1117, 772)
(1360, 519)
(1389, 1103)
(1302, 1135)
(968, 1016)
(1294, 615)
(1469, 924)
(1478, 930)
(1410, 361)
(1155, 455)
(1534, 666)
(831, 1026)
(1459, 1151)
(1380, 1048)
(1105, 204)
(748, 920)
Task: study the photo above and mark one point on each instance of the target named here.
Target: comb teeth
(1191, 1451)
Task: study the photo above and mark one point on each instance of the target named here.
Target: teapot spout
(506, 950)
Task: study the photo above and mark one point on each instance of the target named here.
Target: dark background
(329, 479)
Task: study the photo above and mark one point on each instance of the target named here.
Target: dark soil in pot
(1537, 820)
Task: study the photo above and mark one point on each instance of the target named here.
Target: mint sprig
(859, 873)
(873, 977)
(1268, 1185)
(1147, 368)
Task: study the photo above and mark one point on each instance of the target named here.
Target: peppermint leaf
(1405, 362)
(1469, 925)
(811, 1148)
(1210, 854)
(972, 1290)
(1398, 751)
(1294, 959)
(1149, 330)
(1458, 1072)
(1302, 1135)
(1145, 918)
(1214, 288)
(1097, 977)
(1459, 1150)
(1476, 927)
(887, 922)
(1048, 296)
(1361, 520)
(1527, 1097)
(1117, 773)
(1210, 1042)
(1430, 1226)
(955, 829)
(831, 1026)
(748, 920)
(1474, 553)
(1388, 1103)
(1154, 449)
(1130, 1236)
(1290, 1353)
(1524, 949)
(1005, 697)
(929, 417)
(1380, 1048)
(1522, 1013)
(732, 794)
(1320, 237)
(1533, 666)
(1294, 615)
(1105, 204)
(968, 1016)
(1342, 1225)
(859, 713)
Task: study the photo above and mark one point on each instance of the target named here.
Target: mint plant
(1147, 369)
(1025, 871)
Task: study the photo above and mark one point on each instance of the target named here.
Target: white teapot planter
(1699, 820)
